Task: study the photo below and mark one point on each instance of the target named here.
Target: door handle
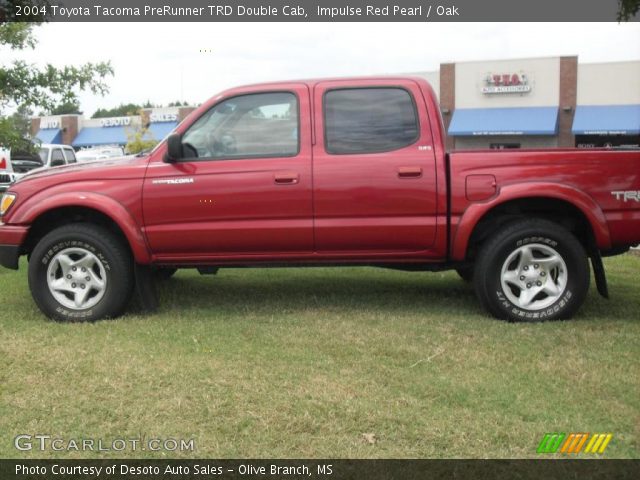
(286, 178)
(409, 172)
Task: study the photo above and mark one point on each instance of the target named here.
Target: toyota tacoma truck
(327, 172)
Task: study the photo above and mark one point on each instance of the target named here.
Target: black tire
(465, 273)
(538, 238)
(164, 273)
(112, 260)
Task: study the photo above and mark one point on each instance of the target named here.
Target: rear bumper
(11, 239)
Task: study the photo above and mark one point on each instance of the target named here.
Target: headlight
(7, 201)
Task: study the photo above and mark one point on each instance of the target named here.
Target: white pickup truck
(49, 155)
(56, 155)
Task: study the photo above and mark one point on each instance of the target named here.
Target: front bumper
(11, 238)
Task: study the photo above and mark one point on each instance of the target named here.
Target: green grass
(303, 362)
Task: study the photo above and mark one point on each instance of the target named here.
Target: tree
(122, 110)
(14, 130)
(24, 85)
(67, 108)
(140, 138)
(627, 9)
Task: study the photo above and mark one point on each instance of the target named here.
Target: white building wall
(543, 75)
(614, 83)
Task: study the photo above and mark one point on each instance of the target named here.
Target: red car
(328, 172)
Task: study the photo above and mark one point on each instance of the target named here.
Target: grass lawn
(302, 362)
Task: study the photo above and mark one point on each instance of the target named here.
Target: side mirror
(174, 148)
(57, 162)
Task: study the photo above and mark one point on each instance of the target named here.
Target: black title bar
(317, 11)
(317, 469)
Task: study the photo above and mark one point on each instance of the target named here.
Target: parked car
(100, 153)
(327, 172)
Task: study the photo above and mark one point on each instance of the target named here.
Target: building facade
(546, 102)
(80, 132)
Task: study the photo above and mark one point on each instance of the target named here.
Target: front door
(244, 186)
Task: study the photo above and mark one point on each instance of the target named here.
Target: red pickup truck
(327, 172)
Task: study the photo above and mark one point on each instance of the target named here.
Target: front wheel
(81, 272)
(532, 270)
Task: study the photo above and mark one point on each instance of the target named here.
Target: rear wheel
(81, 272)
(532, 270)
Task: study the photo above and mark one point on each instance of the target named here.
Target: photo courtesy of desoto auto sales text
(336, 240)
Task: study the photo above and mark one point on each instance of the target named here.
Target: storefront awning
(91, 136)
(49, 135)
(161, 129)
(607, 120)
(504, 121)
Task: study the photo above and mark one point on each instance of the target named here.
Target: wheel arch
(562, 204)
(83, 208)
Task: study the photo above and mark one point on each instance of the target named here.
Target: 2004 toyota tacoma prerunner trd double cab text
(328, 172)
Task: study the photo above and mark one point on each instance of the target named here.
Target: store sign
(115, 122)
(506, 83)
(163, 117)
(50, 123)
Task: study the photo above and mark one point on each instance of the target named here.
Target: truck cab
(54, 155)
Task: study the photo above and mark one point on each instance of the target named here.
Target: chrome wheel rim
(534, 276)
(76, 278)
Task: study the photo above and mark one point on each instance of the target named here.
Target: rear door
(374, 168)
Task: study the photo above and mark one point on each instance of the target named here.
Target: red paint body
(392, 207)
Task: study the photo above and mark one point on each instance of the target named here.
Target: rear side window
(69, 155)
(57, 155)
(369, 120)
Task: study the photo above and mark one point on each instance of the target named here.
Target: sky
(164, 62)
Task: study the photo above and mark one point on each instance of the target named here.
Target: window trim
(249, 157)
(416, 115)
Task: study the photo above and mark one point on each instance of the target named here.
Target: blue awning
(161, 129)
(607, 120)
(504, 121)
(49, 135)
(91, 136)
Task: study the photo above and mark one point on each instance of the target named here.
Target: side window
(369, 120)
(253, 125)
(56, 157)
(69, 155)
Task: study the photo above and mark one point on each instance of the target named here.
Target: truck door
(245, 186)
(374, 169)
